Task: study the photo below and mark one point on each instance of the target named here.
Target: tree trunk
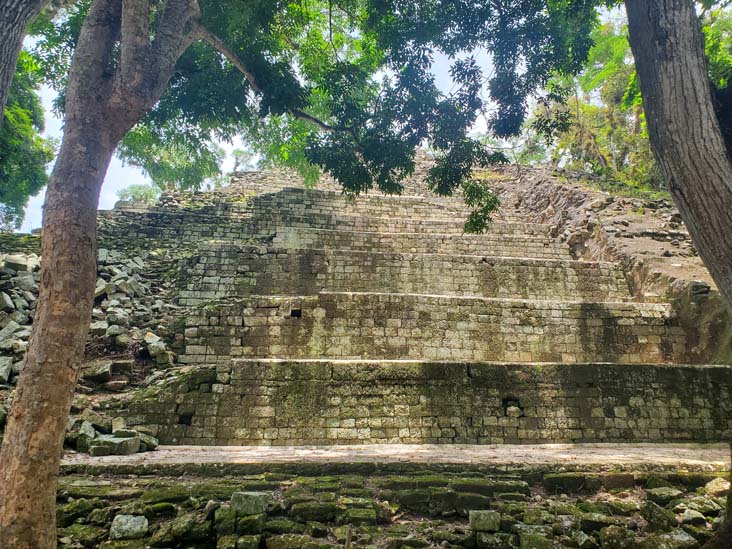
(668, 47)
(14, 18)
(34, 436)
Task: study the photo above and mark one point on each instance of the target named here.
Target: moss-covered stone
(225, 520)
(485, 540)
(663, 495)
(676, 539)
(284, 526)
(250, 524)
(314, 511)
(226, 542)
(358, 516)
(571, 483)
(249, 542)
(593, 522)
(535, 541)
(123, 544)
(169, 494)
(657, 517)
(616, 537)
(66, 514)
(84, 534)
(163, 509)
(293, 541)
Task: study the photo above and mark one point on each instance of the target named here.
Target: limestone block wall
(373, 325)
(222, 270)
(311, 318)
(489, 244)
(262, 402)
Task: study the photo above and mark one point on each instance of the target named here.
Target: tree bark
(100, 109)
(34, 437)
(668, 46)
(14, 18)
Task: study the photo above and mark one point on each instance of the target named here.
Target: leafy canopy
(346, 85)
(24, 154)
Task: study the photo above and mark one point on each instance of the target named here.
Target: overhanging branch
(219, 45)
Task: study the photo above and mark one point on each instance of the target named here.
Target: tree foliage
(345, 86)
(24, 154)
(140, 193)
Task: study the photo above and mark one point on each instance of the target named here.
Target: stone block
(250, 503)
(128, 527)
(485, 521)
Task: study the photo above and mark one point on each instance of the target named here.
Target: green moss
(250, 524)
(85, 534)
(11, 243)
(284, 526)
(313, 511)
(170, 494)
(68, 513)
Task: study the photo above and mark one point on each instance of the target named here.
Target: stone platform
(385, 458)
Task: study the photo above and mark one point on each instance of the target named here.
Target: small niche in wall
(185, 419)
(512, 407)
(296, 313)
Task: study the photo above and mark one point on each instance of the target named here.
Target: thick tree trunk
(34, 436)
(668, 47)
(14, 18)
(100, 109)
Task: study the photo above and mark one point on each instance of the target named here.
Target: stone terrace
(311, 318)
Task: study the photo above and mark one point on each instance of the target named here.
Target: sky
(120, 176)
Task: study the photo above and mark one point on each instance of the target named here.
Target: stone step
(275, 218)
(224, 269)
(540, 247)
(276, 402)
(640, 460)
(392, 326)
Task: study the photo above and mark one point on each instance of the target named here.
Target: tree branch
(94, 49)
(177, 30)
(134, 39)
(219, 45)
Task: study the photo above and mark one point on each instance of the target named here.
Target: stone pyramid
(308, 318)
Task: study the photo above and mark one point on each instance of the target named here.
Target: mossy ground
(423, 509)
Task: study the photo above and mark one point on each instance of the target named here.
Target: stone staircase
(315, 319)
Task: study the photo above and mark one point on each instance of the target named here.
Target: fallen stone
(250, 503)
(663, 495)
(10, 329)
(719, 487)
(706, 506)
(99, 327)
(119, 446)
(16, 262)
(6, 367)
(128, 527)
(115, 330)
(99, 372)
(26, 282)
(689, 516)
(657, 517)
(99, 451)
(66, 514)
(118, 424)
(677, 539)
(485, 521)
(6, 303)
(616, 537)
